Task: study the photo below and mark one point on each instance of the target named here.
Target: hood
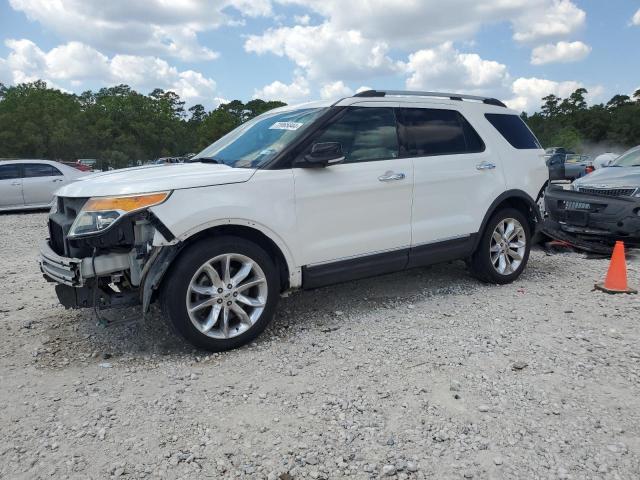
(616, 177)
(155, 178)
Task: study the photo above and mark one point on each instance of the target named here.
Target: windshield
(256, 142)
(631, 158)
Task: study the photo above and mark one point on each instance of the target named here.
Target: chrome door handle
(56, 180)
(15, 183)
(391, 176)
(485, 166)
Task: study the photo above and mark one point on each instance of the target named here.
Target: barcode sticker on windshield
(285, 126)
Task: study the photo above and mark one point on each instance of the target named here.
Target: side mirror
(324, 154)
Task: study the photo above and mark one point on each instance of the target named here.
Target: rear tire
(503, 250)
(221, 292)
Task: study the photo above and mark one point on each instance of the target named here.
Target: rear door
(11, 185)
(456, 176)
(40, 181)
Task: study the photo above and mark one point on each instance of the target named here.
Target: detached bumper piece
(588, 218)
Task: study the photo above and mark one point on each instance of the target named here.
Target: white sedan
(31, 184)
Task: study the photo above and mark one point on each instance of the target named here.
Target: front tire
(221, 293)
(503, 251)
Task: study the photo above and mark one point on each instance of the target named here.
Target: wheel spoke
(515, 233)
(241, 274)
(203, 290)
(518, 244)
(226, 269)
(203, 304)
(213, 276)
(509, 230)
(495, 248)
(252, 302)
(225, 322)
(514, 254)
(497, 237)
(252, 283)
(241, 314)
(212, 318)
(502, 263)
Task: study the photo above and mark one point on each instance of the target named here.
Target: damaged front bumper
(74, 272)
(592, 217)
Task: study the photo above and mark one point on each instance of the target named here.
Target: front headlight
(100, 213)
(54, 206)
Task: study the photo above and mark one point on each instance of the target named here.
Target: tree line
(569, 122)
(122, 127)
(116, 125)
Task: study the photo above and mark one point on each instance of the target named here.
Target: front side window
(366, 134)
(514, 130)
(40, 170)
(9, 172)
(426, 131)
(258, 141)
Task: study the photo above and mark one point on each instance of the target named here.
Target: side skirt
(388, 262)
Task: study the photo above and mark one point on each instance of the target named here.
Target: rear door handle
(485, 166)
(16, 183)
(57, 180)
(391, 176)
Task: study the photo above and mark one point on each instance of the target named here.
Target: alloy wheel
(226, 296)
(508, 246)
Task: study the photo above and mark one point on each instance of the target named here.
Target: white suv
(301, 197)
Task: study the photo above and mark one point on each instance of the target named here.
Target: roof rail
(451, 96)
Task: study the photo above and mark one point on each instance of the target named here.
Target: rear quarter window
(514, 130)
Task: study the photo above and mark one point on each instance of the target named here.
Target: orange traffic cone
(616, 280)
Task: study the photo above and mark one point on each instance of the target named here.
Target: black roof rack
(450, 96)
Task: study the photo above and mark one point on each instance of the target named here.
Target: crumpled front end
(592, 216)
(104, 269)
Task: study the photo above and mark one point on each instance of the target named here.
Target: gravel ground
(422, 374)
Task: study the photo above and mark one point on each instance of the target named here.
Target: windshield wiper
(208, 160)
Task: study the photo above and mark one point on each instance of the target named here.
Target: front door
(11, 185)
(358, 211)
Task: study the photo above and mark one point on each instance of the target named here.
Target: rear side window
(425, 132)
(514, 130)
(365, 133)
(40, 170)
(8, 172)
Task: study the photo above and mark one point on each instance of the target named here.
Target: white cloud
(335, 90)
(297, 91)
(561, 52)
(152, 27)
(420, 23)
(636, 18)
(528, 92)
(324, 53)
(559, 19)
(78, 63)
(445, 68)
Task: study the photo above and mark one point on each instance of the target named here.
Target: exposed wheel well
(523, 206)
(255, 236)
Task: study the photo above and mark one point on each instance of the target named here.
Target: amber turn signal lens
(124, 204)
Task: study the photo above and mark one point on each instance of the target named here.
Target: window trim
(306, 145)
(459, 116)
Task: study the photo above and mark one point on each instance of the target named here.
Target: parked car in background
(604, 160)
(87, 164)
(30, 184)
(567, 166)
(301, 197)
(168, 160)
(599, 208)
